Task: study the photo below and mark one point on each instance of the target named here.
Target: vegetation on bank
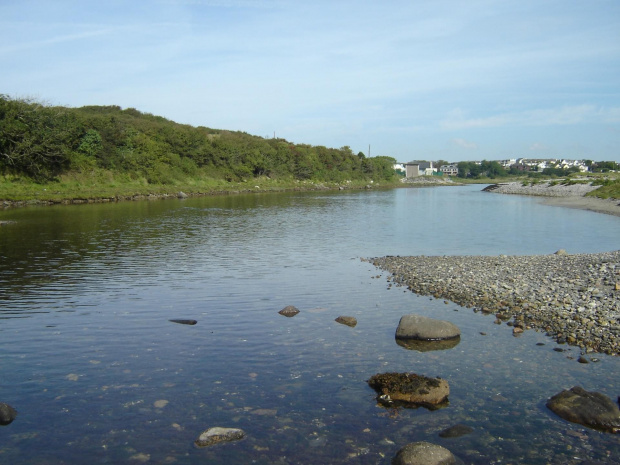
(101, 151)
(610, 186)
(493, 169)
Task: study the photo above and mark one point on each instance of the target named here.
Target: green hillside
(108, 145)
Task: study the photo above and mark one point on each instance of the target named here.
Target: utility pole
(368, 150)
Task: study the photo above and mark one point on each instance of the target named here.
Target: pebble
(572, 298)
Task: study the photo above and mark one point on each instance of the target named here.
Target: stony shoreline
(560, 195)
(575, 299)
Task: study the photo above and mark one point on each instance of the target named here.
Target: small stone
(7, 414)
(423, 453)
(160, 403)
(184, 322)
(347, 320)
(561, 252)
(182, 195)
(582, 359)
(456, 431)
(141, 457)
(218, 434)
(289, 311)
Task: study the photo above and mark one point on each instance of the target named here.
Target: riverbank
(575, 299)
(71, 193)
(561, 195)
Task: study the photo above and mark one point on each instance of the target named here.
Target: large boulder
(7, 414)
(591, 409)
(410, 388)
(423, 453)
(422, 328)
(218, 434)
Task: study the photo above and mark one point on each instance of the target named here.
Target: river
(99, 374)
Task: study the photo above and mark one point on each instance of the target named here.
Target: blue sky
(416, 79)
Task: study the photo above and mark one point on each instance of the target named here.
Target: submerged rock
(410, 388)
(218, 434)
(7, 414)
(423, 453)
(422, 328)
(347, 320)
(456, 431)
(289, 311)
(591, 409)
(184, 322)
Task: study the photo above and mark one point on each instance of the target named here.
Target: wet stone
(591, 409)
(456, 431)
(289, 311)
(184, 322)
(410, 388)
(347, 320)
(7, 414)
(423, 453)
(217, 435)
(422, 328)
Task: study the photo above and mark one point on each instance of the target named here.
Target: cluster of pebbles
(573, 298)
(543, 189)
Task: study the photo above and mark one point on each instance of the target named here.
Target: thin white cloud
(53, 41)
(566, 115)
(538, 147)
(465, 144)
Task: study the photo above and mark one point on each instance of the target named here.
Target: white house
(449, 170)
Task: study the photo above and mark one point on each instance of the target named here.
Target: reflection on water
(97, 371)
(426, 346)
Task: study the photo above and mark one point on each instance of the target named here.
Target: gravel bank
(573, 298)
(560, 195)
(544, 189)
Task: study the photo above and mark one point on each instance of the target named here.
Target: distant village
(428, 168)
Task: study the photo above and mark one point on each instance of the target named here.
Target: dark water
(99, 375)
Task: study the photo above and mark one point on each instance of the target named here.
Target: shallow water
(88, 354)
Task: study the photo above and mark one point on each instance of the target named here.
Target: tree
(35, 140)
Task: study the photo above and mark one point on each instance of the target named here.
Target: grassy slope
(107, 185)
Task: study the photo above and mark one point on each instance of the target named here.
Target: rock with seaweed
(410, 390)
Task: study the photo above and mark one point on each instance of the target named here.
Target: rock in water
(184, 322)
(456, 431)
(347, 320)
(422, 328)
(7, 414)
(289, 311)
(218, 434)
(591, 409)
(410, 388)
(423, 453)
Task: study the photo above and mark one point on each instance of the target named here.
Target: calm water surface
(99, 375)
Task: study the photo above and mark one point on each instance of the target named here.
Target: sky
(411, 79)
